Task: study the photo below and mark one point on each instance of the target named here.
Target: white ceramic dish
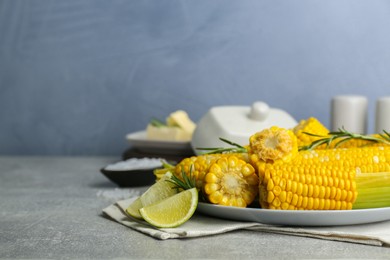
(140, 141)
(297, 217)
(237, 124)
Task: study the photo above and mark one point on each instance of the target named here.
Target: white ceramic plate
(297, 217)
(140, 141)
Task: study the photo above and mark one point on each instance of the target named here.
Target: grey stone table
(50, 207)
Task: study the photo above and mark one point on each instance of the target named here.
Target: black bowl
(130, 178)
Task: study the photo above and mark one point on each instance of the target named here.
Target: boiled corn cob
(311, 130)
(374, 190)
(360, 143)
(317, 179)
(194, 166)
(231, 182)
(273, 144)
(312, 126)
(225, 179)
(198, 166)
(327, 178)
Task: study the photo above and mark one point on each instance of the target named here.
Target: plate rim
(134, 138)
(130, 135)
(276, 217)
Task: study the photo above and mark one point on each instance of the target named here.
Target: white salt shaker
(349, 112)
(382, 115)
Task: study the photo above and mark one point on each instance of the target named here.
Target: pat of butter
(167, 133)
(179, 127)
(180, 118)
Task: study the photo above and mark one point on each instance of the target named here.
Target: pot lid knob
(259, 111)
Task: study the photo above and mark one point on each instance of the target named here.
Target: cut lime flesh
(172, 211)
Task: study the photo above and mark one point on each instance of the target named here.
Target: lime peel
(157, 192)
(133, 209)
(172, 211)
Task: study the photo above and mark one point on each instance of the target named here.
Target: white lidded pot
(237, 124)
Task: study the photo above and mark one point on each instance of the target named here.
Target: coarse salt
(118, 194)
(135, 164)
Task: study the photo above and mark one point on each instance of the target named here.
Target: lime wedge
(133, 209)
(157, 192)
(172, 211)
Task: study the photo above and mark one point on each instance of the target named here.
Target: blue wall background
(76, 76)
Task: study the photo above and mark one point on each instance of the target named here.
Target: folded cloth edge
(117, 212)
(321, 235)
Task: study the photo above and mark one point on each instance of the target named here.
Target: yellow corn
(273, 144)
(198, 166)
(231, 182)
(319, 179)
(285, 178)
(312, 126)
(359, 143)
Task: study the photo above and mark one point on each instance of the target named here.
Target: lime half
(172, 211)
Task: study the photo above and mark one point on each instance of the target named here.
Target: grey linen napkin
(199, 225)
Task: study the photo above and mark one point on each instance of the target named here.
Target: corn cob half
(231, 182)
(224, 179)
(273, 144)
(198, 166)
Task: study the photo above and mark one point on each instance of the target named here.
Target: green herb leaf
(341, 136)
(236, 149)
(157, 123)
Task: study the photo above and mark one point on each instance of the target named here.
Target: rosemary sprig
(157, 123)
(236, 149)
(185, 183)
(385, 135)
(341, 136)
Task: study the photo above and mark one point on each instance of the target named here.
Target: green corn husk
(373, 190)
